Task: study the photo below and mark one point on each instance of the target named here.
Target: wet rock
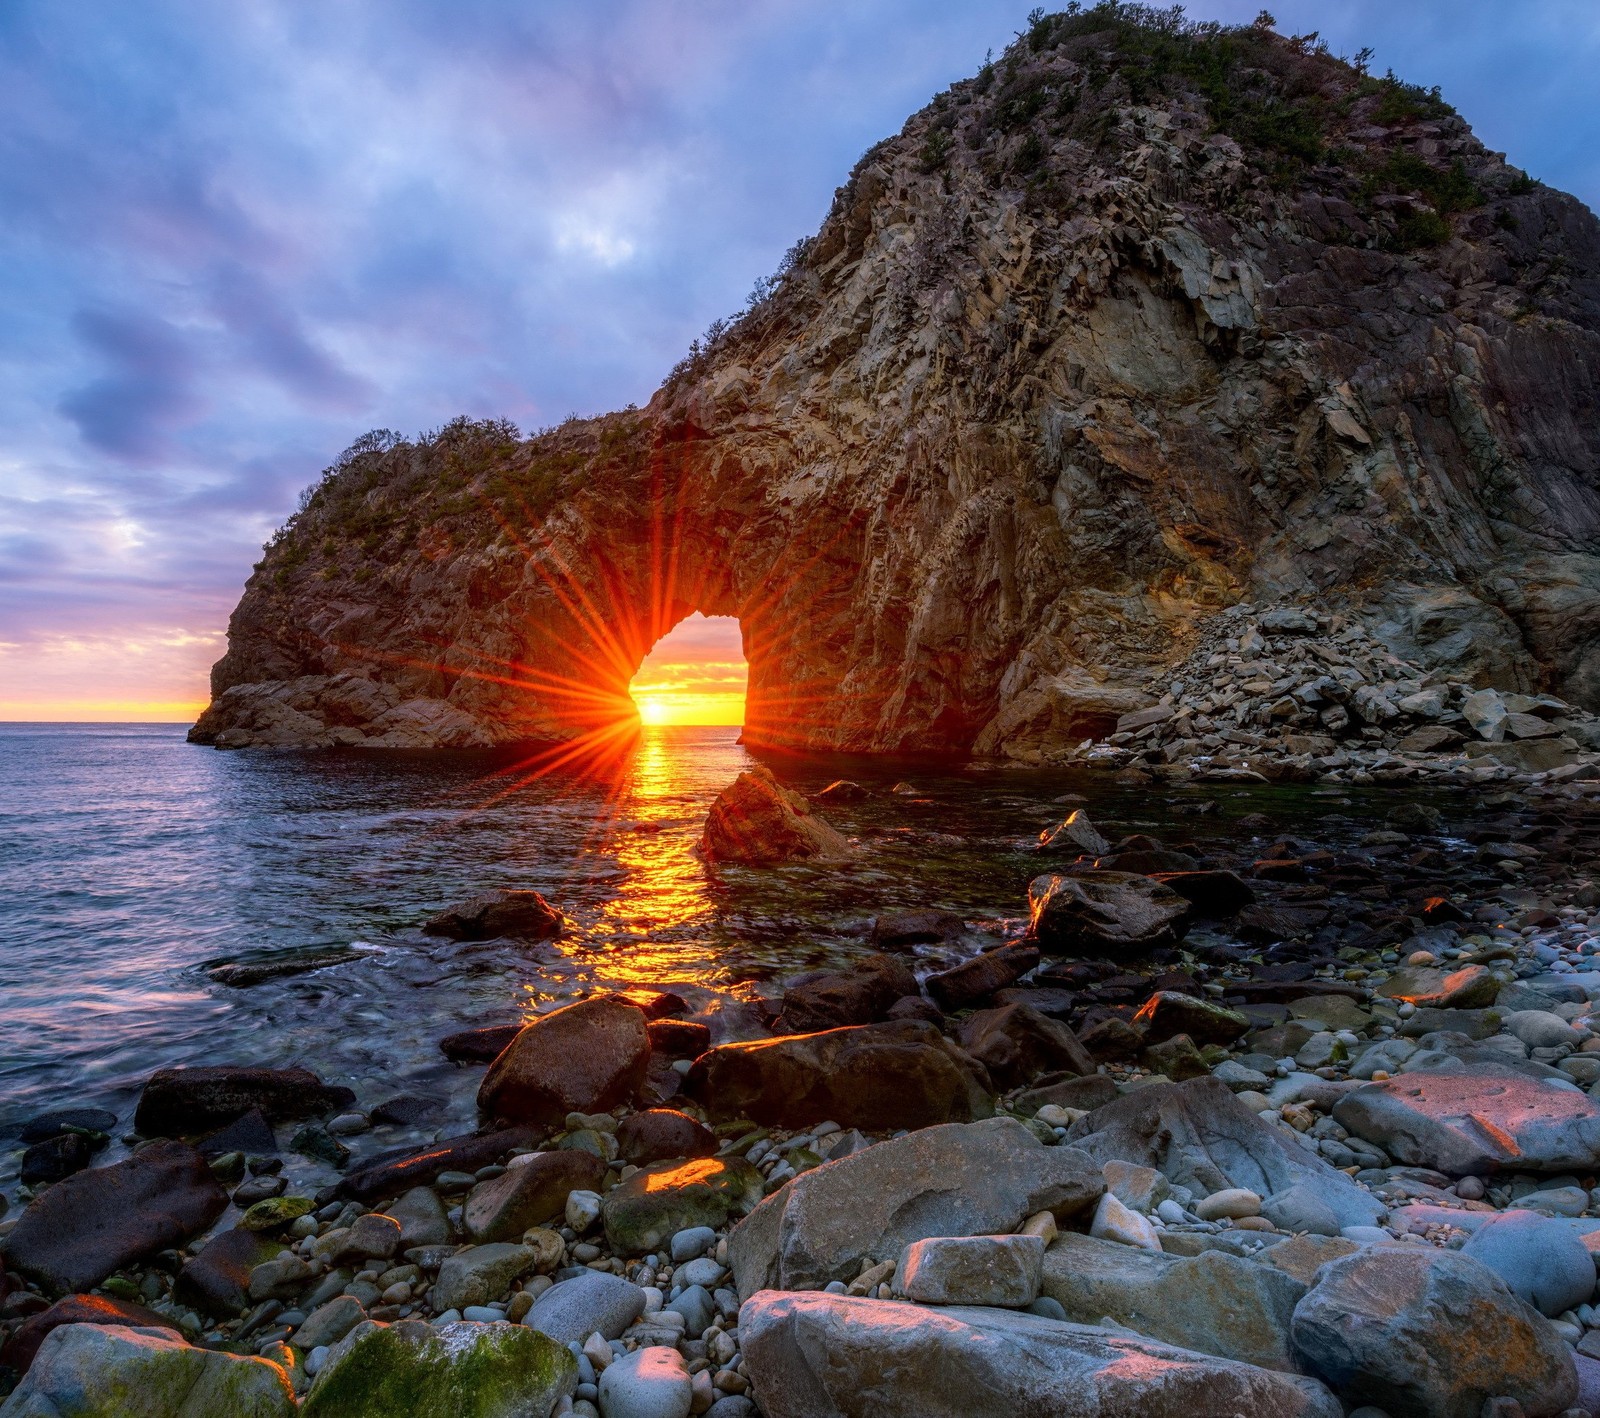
(502, 1208)
(382, 1179)
(1111, 1039)
(874, 1076)
(463, 1369)
(587, 1058)
(478, 1274)
(217, 1280)
(180, 1102)
(978, 1179)
(899, 930)
(20, 1348)
(249, 1133)
(1476, 1121)
(572, 1310)
(757, 821)
(814, 1355)
(1075, 835)
(658, 1134)
(1176, 1058)
(1104, 913)
(833, 998)
(1468, 987)
(1424, 1333)
(520, 915)
(407, 1110)
(78, 1232)
(422, 1219)
(479, 1045)
(1213, 894)
(260, 966)
(842, 790)
(974, 981)
(111, 1371)
(652, 1382)
(313, 1140)
(915, 1007)
(56, 1157)
(43, 1126)
(1199, 1135)
(1017, 1044)
(972, 1270)
(1542, 1262)
(1245, 1315)
(653, 1205)
(1269, 922)
(1167, 1012)
(678, 1038)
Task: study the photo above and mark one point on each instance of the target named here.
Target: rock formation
(1142, 322)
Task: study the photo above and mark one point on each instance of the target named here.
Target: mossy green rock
(656, 1203)
(109, 1371)
(276, 1211)
(464, 1370)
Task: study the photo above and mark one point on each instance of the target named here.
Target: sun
(654, 711)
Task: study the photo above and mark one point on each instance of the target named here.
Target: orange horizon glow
(694, 675)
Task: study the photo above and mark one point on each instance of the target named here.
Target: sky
(235, 237)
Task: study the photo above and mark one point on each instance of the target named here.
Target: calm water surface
(130, 860)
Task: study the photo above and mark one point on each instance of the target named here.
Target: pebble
(649, 1383)
(583, 1209)
(1231, 1204)
(692, 1243)
(1115, 1222)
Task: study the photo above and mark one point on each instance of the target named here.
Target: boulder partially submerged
(758, 821)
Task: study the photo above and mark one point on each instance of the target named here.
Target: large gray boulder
(82, 1229)
(1199, 1135)
(1543, 1261)
(975, 1179)
(1245, 1312)
(1425, 1333)
(1477, 1121)
(110, 1371)
(835, 1356)
(573, 1310)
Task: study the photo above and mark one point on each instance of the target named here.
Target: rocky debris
(467, 1370)
(44, 1126)
(585, 1058)
(859, 995)
(1017, 1044)
(814, 1355)
(82, 1229)
(899, 930)
(974, 981)
(1329, 699)
(113, 1371)
(521, 915)
(1200, 1136)
(1109, 913)
(1212, 1303)
(1476, 1122)
(873, 1076)
(972, 1270)
(453, 1154)
(184, 1102)
(757, 821)
(592, 1303)
(530, 1191)
(978, 1179)
(19, 1350)
(1423, 1333)
(657, 1202)
(1542, 1262)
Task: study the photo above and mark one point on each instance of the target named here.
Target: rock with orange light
(522, 915)
(1104, 913)
(978, 1179)
(758, 821)
(877, 1077)
(1475, 1120)
(1468, 987)
(657, 1202)
(816, 1355)
(585, 1058)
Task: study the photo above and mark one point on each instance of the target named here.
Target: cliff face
(1141, 322)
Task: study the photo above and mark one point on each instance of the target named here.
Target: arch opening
(696, 674)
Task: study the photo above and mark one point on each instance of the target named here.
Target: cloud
(147, 393)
